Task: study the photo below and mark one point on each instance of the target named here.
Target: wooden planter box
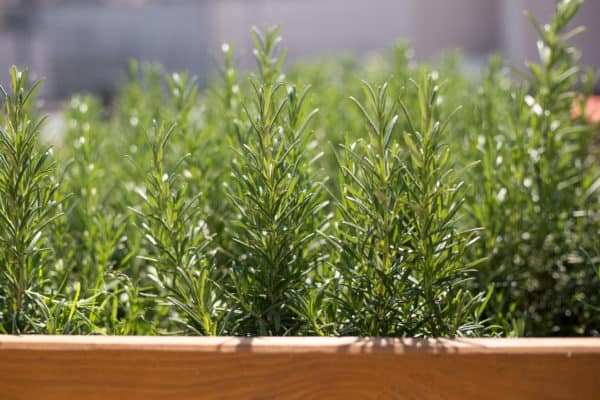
(181, 368)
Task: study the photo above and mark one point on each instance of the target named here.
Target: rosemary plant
(175, 233)
(438, 243)
(370, 234)
(232, 231)
(537, 194)
(97, 247)
(27, 207)
(400, 251)
(278, 204)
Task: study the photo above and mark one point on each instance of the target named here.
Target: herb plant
(27, 208)
(279, 207)
(240, 209)
(538, 192)
(401, 254)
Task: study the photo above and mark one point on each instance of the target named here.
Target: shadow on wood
(92, 367)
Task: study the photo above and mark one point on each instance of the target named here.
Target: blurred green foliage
(346, 196)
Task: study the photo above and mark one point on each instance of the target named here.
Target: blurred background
(85, 45)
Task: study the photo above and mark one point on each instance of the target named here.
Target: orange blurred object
(592, 109)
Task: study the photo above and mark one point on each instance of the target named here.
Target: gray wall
(471, 25)
(518, 38)
(84, 45)
(88, 47)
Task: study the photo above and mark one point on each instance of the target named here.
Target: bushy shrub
(339, 197)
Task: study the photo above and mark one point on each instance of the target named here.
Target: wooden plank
(92, 367)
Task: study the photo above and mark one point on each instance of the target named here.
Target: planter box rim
(294, 368)
(303, 344)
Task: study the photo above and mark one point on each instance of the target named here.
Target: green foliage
(279, 206)
(241, 210)
(27, 207)
(537, 192)
(402, 261)
(177, 242)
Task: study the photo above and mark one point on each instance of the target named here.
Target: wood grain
(76, 367)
